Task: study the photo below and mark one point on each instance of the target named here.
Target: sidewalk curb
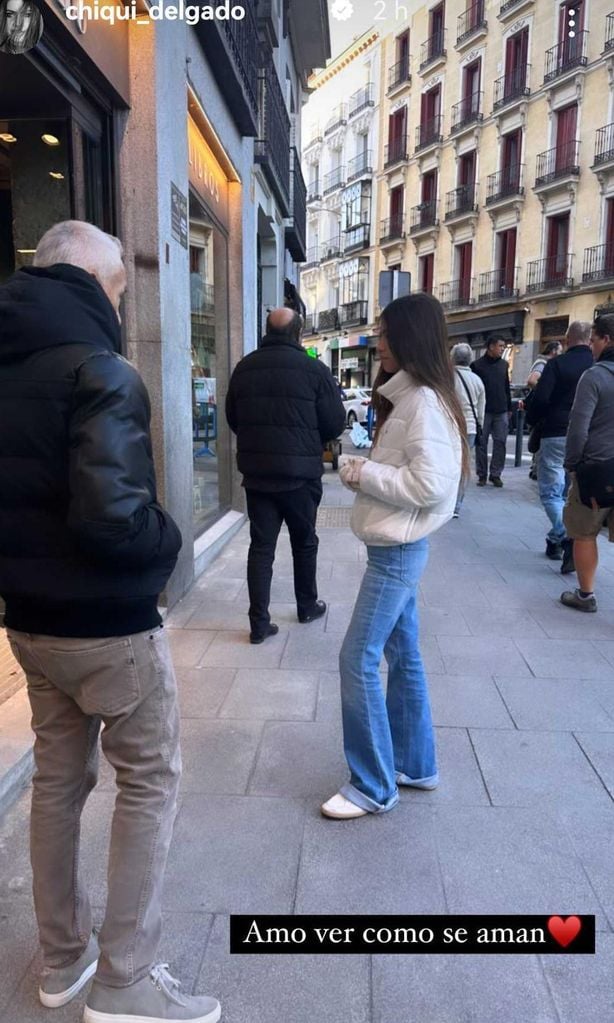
(16, 758)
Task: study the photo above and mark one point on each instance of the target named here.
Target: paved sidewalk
(523, 821)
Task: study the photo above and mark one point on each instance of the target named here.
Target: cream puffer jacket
(409, 485)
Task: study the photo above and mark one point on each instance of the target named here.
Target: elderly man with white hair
(471, 393)
(85, 550)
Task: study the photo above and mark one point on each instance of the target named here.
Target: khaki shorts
(584, 523)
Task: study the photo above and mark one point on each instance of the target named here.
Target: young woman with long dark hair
(21, 26)
(406, 490)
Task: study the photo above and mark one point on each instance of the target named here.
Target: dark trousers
(496, 424)
(267, 512)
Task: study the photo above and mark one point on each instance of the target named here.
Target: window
(463, 258)
(566, 123)
(510, 160)
(466, 171)
(609, 237)
(436, 30)
(570, 47)
(516, 58)
(558, 248)
(506, 262)
(397, 196)
(397, 134)
(471, 88)
(426, 268)
(430, 119)
(429, 187)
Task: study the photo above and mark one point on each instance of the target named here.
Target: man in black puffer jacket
(85, 549)
(283, 406)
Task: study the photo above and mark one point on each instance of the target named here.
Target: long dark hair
(33, 33)
(418, 338)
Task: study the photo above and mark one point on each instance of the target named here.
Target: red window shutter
(430, 265)
(609, 236)
(391, 123)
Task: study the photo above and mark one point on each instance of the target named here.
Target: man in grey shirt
(590, 438)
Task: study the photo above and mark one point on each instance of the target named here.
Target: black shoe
(496, 481)
(482, 481)
(271, 630)
(568, 561)
(532, 474)
(554, 551)
(319, 609)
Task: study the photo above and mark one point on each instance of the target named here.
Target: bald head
(284, 323)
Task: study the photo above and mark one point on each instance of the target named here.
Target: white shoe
(341, 809)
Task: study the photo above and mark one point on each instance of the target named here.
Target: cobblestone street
(523, 820)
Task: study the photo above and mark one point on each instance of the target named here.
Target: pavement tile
(480, 655)
(460, 989)
(382, 863)
(591, 834)
(581, 986)
(464, 701)
(339, 617)
(216, 588)
(328, 707)
(302, 651)
(514, 622)
(438, 621)
(284, 988)
(460, 779)
(234, 650)
(218, 756)
(510, 860)
(187, 647)
(606, 650)
(562, 658)
(599, 748)
(18, 947)
(202, 690)
(218, 616)
(439, 593)
(540, 769)
(300, 759)
(557, 623)
(548, 704)
(242, 857)
(265, 693)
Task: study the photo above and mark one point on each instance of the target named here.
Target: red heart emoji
(564, 931)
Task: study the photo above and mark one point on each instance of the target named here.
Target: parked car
(356, 404)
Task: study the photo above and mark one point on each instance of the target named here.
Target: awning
(479, 329)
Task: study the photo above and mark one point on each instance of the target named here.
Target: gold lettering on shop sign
(205, 172)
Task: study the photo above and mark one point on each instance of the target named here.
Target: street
(523, 820)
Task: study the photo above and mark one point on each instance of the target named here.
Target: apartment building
(340, 154)
(496, 167)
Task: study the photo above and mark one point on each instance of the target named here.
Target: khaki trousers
(127, 685)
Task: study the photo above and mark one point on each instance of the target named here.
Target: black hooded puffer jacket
(85, 549)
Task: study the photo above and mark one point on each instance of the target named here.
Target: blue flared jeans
(387, 738)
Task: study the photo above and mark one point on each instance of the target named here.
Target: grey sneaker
(572, 598)
(59, 986)
(154, 999)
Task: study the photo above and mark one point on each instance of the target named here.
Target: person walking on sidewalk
(472, 396)
(589, 460)
(551, 351)
(405, 491)
(492, 370)
(549, 410)
(283, 407)
(85, 550)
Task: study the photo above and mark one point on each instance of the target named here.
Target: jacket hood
(56, 305)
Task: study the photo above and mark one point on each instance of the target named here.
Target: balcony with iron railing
(423, 217)
(328, 319)
(433, 50)
(550, 274)
(315, 137)
(505, 185)
(510, 7)
(499, 285)
(362, 99)
(512, 87)
(598, 263)
(330, 249)
(356, 238)
(314, 190)
(391, 229)
(360, 165)
(231, 48)
(310, 323)
(456, 294)
(399, 74)
(396, 151)
(609, 33)
(338, 118)
(561, 162)
(429, 133)
(296, 231)
(461, 202)
(333, 180)
(272, 148)
(567, 55)
(354, 314)
(467, 112)
(470, 22)
(604, 145)
(313, 257)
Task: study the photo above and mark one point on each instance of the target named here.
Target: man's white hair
(579, 331)
(462, 354)
(83, 245)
